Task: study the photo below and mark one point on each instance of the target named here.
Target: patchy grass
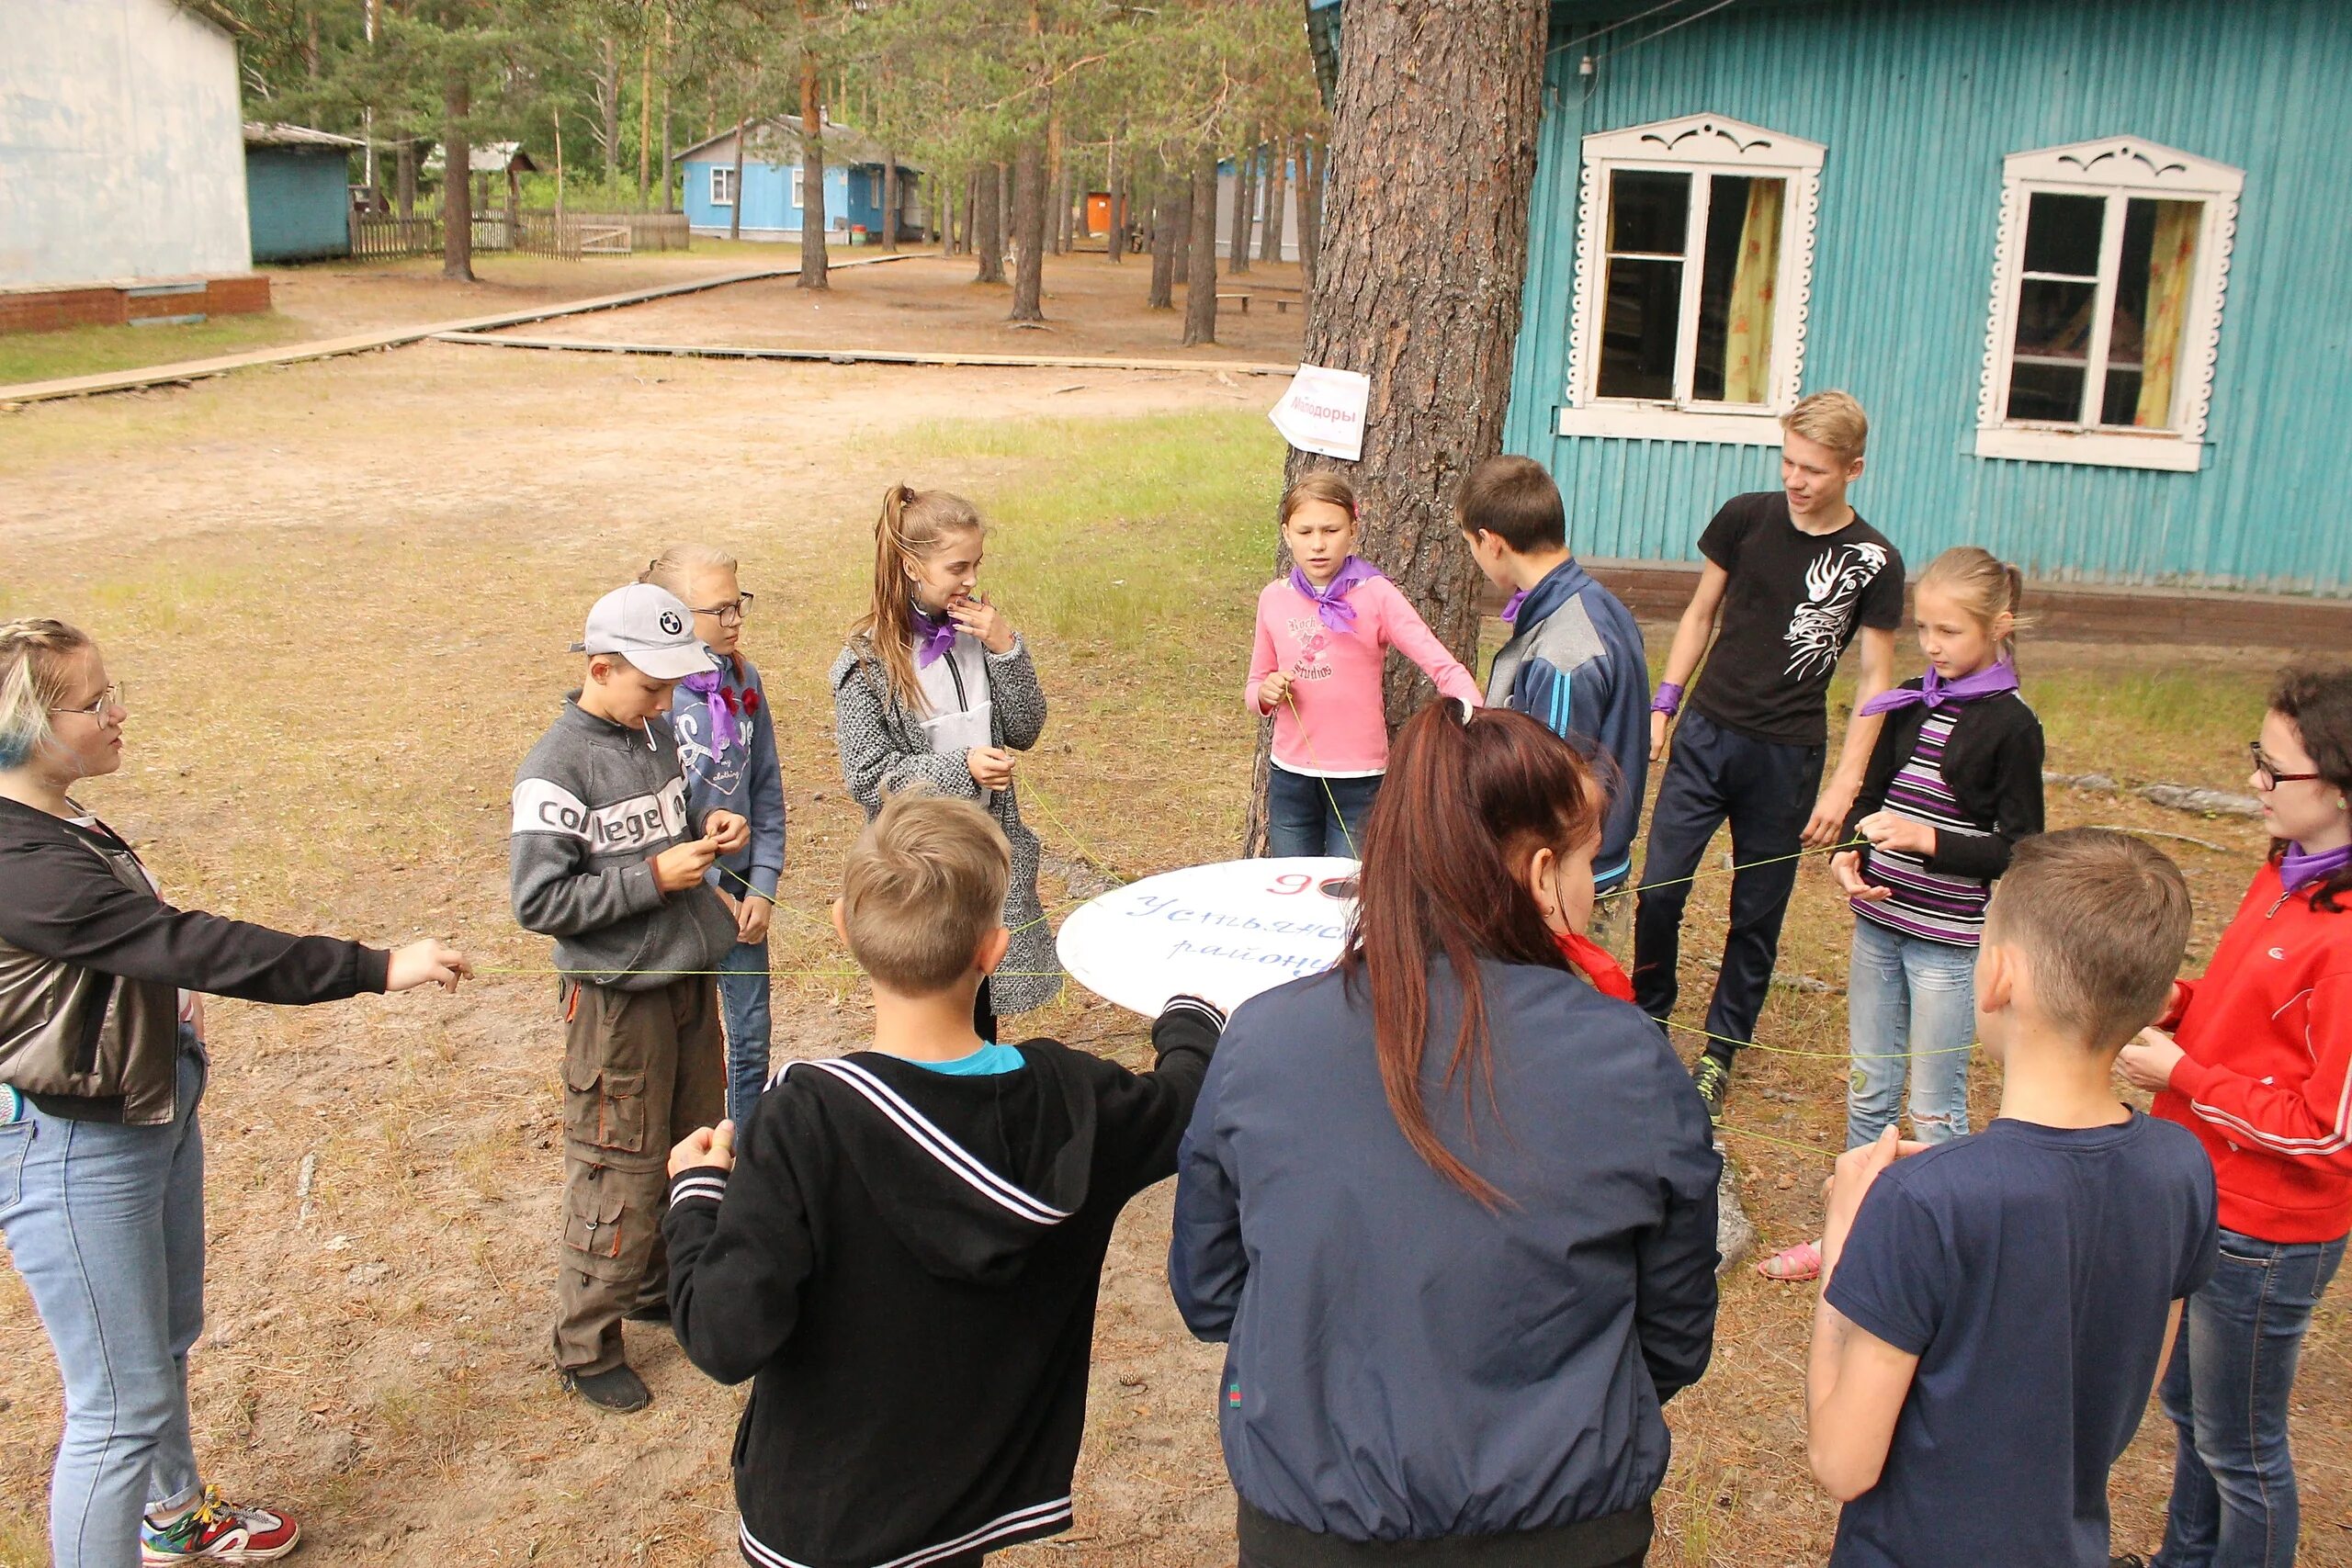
(341, 630)
(91, 351)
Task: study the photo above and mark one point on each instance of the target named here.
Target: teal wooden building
(298, 192)
(2084, 263)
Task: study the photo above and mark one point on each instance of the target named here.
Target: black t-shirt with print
(1794, 600)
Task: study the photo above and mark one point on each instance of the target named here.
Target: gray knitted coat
(884, 750)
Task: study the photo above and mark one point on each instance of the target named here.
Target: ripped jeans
(1910, 1003)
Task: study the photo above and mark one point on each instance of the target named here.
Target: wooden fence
(536, 233)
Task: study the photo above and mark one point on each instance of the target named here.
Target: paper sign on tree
(1323, 411)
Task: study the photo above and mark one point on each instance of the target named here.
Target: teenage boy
(606, 862)
(1574, 662)
(1796, 573)
(902, 1248)
(1994, 1310)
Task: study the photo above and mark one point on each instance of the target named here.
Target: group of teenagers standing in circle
(1451, 1205)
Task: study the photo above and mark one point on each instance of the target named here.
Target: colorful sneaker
(215, 1531)
(1713, 1075)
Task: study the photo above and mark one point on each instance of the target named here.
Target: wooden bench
(1225, 299)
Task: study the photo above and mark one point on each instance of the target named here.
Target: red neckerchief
(1592, 959)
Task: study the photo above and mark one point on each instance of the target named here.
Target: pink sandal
(1792, 1264)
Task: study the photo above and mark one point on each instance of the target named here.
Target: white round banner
(1225, 931)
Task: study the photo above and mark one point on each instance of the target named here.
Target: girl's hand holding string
(984, 621)
(1890, 831)
(752, 916)
(2149, 1060)
(727, 830)
(1273, 690)
(990, 766)
(1847, 867)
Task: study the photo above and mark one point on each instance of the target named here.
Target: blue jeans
(2233, 1501)
(1300, 818)
(1765, 789)
(107, 1226)
(743, 1011)
(1910, 1002)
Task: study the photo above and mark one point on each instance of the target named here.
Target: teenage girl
(1954, 781)
(935, 691)
(1323, 636)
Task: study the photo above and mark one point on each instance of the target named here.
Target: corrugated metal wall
(299, 201)
(1918, 101)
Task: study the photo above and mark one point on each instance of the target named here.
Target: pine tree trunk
(812, 171)
(735, 206)
(1236, 249)
(1061, 211)
(1200, 289)
(1312, 157)
(1167, 221)
(608, 101)
(988, 227)
(1181, 239)
(404, 178)
(889, 202)
(1029, 230)
(1277, 201)
(457, 186)
(1419, 276)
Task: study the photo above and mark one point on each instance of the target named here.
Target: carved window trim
(2116, 168)
(1698, 145)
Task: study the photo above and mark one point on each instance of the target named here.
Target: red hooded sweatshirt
(2264, 1084)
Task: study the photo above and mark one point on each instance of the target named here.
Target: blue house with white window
(2083, 262)
(771, 197)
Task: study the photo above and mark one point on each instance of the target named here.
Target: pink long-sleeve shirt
(1336, 729)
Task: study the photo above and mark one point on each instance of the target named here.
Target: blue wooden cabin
(298, 192)
(771, 197)
(2083, 262)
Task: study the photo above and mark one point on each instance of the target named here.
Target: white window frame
(792, 179)
(1699, 145)
(722, 176)
(2117, 169)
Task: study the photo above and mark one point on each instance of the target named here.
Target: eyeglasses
(2266, 771)
(113, 696)
(731, 613)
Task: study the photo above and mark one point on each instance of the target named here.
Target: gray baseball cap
(651, 628)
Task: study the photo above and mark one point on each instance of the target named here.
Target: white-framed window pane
(1649, 218)
(1739, 286)
(2154, 272)
(2062, 234)
(722, 187)
(2057, 301)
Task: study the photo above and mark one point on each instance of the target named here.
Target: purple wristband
(1669, 700)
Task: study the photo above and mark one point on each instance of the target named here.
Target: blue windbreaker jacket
(1404, 1364)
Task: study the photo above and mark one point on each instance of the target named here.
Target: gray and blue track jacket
(594, 804)
(1574, 663)
(743, 776)
(1403, 1363)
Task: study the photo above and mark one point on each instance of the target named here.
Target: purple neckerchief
(2298, 871)
(933, 637)
(1331, 604)
(1511, 604)
(711, 687)
(1935, 691)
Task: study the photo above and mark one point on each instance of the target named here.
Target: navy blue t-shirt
(2030, 1268)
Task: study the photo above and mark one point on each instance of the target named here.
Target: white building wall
(121, 154)
(1258, 193)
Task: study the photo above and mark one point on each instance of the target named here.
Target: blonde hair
(2103, 919)
(1324, 485)
(1986, 586)
(914, 526)
(36, 663)
(670, 570)
(924, 884)
(1834, 419)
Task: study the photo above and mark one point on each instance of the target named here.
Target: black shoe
(652, 1312)
(2127, 1560)
(1713, 1075)
(616, 1389)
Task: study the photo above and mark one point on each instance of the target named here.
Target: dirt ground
(339, 595)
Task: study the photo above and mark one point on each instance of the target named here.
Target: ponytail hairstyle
(670, 570)
(36, 667)
(2318, 702)
(1986, 585)
(915, 525)
(1470, 796)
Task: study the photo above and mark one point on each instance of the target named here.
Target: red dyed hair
(1466, 804)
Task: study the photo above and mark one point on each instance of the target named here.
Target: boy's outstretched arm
(1692, 633)
(1144, 1114)
(1828, 820)
(1855, 1381)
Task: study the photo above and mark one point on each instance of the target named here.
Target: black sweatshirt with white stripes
(906, 1263)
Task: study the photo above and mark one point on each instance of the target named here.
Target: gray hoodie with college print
(594, 804)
